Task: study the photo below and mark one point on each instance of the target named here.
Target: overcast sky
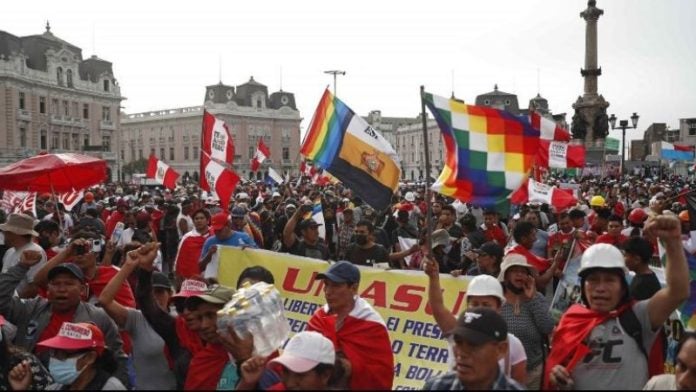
(165, 53)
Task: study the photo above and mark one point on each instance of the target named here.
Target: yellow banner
(400, 297)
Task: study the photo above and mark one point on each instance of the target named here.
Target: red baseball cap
(76, 336)
(219, 221)
(191, 287)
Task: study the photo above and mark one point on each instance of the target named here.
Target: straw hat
(20, 224)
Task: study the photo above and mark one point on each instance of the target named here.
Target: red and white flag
(161, 172)
(319, 178)
(561, 155)
(70, 199)
(27, 205)
(217, 139)
(262, 153)
(548, 128)
(532, 191)
(218, 178)
(11, 199)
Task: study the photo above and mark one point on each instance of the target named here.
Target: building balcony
(107, 125)
(286, 162)
(24, 114)
(57, 119)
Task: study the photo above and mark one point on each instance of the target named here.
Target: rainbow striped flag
(489, 151)
(345, 145)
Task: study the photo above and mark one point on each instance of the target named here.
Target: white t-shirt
(12, 257)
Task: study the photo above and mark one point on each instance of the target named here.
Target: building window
(106, 113)
(162, 156)
(66, 142)
(107, 82)
(54, 107)
(21, 100)
(123, 155)
(42, 105)
(66, 109)
(195, 152)
(86, 140)
(106, 142)
(44, 140)
(186, 153)
(76, 141)
(286, 153)
(252, 152)
(171, 153)
(75, 110)
(22, 137)
(140, 153)
(59, 76)
(54, 140)
(68, 73)
(85, 111)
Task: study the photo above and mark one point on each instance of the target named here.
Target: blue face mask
(64, 371)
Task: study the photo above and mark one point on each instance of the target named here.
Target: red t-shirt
(57, 320)
(124, 296)
(496, 234)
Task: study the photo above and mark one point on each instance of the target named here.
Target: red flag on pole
(218, 178)
(161, 172)
(262, 153)
(217, 140)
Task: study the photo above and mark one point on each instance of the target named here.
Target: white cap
(275, 194)
(410, 197)
(514, 259)
(439, 237)
(305, 351)
(242, 195)
(483, 285)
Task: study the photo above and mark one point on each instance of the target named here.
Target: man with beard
(526, 313)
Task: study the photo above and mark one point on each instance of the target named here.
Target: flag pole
(429, 212)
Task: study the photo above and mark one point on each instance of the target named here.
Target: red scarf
(189, 253)
(365, 343)
(568, 347)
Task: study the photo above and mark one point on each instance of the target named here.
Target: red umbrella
(53, 173)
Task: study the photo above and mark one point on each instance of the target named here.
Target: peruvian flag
(161, 172)
(559, 154)
(218, 178)
(548, 128)
(307, 169)
(262, 153)
(532, 191)
(28, 204)
(320, 179)
(11, 199)
(217, 140)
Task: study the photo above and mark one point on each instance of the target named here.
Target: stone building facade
(687, 131)
(174, 135)
(51, 99)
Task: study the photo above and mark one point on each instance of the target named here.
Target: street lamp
(623, 124)
(334, 73)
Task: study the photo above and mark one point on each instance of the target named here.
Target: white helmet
(485, 285)
(602, 256)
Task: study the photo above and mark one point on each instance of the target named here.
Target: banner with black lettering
(401, 298)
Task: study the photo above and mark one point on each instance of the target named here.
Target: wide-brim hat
(20, 224)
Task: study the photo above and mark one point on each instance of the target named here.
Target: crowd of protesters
(122, 292)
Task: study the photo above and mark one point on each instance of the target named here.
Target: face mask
(64, 371)
(361, 239)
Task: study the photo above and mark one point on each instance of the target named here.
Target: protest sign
(70, 199)
(568, 291)
(400, 297)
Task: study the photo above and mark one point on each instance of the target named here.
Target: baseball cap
(160, 280)
(275, 194)
(305, 351)
(191, 287)
(76, 336)
(242, 195)
(479, 326)
(341, 272)
(219, 221)
(491, 249)
(238, 212)
(218, 294)
(69, 268)
(307, 223)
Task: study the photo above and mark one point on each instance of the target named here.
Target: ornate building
(174, 135)
(51, 99)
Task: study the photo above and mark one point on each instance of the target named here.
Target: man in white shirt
(19, 237)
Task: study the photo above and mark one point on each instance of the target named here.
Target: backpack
(656, 357)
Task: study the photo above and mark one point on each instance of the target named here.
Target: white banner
(558, 153)
(70, 199)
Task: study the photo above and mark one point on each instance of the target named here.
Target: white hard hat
(485, 285)
(602, 256)
(410, 197)
(515, 259)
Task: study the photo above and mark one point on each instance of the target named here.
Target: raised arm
(443, 316)
(116, 311)
(668, 230)
(289, 229)
(41, 277)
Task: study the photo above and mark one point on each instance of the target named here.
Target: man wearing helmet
(591, 347)
(635, 221)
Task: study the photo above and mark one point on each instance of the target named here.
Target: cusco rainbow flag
(489, 151)
(346, 146)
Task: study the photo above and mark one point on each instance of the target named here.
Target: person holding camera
(310, 245)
